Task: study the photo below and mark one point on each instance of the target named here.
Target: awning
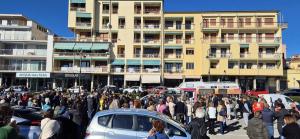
(152, 46)
(77, 1)
(173, 77)
(118, 62)
(192, 77)
(100, 46)
(132, 77)
(83, 46)
(210, 30)
(269, 45)
(83, 15)
(244, 45)
(151, 79)
(64, 46)
(133, 62)
(173, 47)
(219, 45)
(151, 62)
(99, 58)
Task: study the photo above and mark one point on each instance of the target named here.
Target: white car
(271, 98)
(133, 89)
(76, 89)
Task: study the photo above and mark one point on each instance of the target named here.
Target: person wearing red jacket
(257, 106)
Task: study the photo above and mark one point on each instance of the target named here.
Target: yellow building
(152, 47)
(293, 72)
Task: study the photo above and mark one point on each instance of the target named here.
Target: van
(271, 98)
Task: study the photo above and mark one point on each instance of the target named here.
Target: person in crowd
(47, 105)
(212, 112)
(280, 112)
(171, 107)
(30, 103)
(246, 112)
(137, 104)
(256, 128)
(221, 117)
(90, 106)
(296, 114)
(228, 108)
(180, 110)
(115, 103)
(151, 106)
(235, 106)
(157, 131)
(257, 106)
(161, 106)
(8, 129)
(50, 128)
(189, 109)
(197, 127)
(291, 130)
(268, 118)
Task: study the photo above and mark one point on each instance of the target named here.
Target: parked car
(133, 89)
(131, 124)
(157, 89)
(76, 89)
(16, 89)
(28, 121)
(294, 90)
(111, 88)
(291, 93)
(256, 93)
(271, 98)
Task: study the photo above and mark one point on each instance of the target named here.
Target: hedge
(296, 98)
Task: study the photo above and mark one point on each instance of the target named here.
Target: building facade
(293, 72)
(148, 46)
(24, 56)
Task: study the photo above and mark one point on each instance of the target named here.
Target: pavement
(236, 130)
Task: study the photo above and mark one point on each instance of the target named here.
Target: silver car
(131, 124)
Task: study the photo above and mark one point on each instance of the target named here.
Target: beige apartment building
(138, 43)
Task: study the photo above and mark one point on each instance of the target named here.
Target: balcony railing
(242, 40)
(137, 26)
(152, 41)
(244, 55)
(137, 55)
(137, 10)
(117, 70)
(76, 54)
(137, 40)
(101, 69)
(173, 41)
(120, 55)
(133, 70)
(189, 26)
(77, 9)
(151, 55)
(172, 26)
(219, 55)
(82, 24)
(173, 70)
(151, 26)
(121, 26)
(23, 52)
(269, 55)
(173, 56)
(189, 41)
(151, 11)
(15, 37)
(241, 25)
(20, 68)
(105, 11)
(151, 70)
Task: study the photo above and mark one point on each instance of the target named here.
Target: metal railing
(82, 24)
(137, 26)
(242, 25)
(24, 52)
(173, 41)
(172, 26)
(173, 70)
(133, 70)
(269, 55)
(188, 41)
(101, 69)
(151, 26)
(15, 37)
(173, 56)
(85, 54)
(152, 10)
(117, 70)
(22, 68)
(137, 55)
(77, 9)
(189, 26)
(151, 70)
(242, 40)
(137, 40)
(120, 55)
(219, 55)
(152, 41)
(244, 55)
(151, 55)
(105, 11)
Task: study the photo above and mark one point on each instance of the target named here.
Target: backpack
(223, 112)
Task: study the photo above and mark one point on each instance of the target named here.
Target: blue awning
(118, 62)
(100, 46)
(133, 62)
(64, 46)
(77, 1)
(173, 47)
(244, 45)
(83, 15)
(83, 46)
(151, 62)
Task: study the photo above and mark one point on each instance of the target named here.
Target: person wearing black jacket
(197, 128)
(291, 130)
(180, 110)
(268, 118)
(280, 112)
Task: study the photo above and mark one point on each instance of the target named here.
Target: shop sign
(33, 75)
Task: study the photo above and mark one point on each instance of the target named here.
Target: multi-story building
(151, 47)
(293, 72)
(24, 59)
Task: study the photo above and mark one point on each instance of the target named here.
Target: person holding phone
(8, 128)
(157, 131)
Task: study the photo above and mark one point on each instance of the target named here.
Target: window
(213, 22)
(248, 38)
(249, 65)
(105, 8)
(270, 65)
(230, 36)
(122, 122)
(223, 22)
(205, 23)
(103, 120)
(241, 36)
(231, 65)
(269, 36)
(269, 21)
(213, 65)
(230, 23)
(121, 22)
(189, 51)
(260, 65)
(115, 8)
(144, 123)
(114, 37)
(248, 21)
(242, 65)
(190, 66)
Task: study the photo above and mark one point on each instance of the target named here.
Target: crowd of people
(68, 115)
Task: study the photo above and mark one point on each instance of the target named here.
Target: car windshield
(173, 122)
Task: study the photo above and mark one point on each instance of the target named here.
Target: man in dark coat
(256, 127)
(197, 128)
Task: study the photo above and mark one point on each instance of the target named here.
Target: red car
(256, 93)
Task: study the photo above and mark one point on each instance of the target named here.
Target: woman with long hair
(291, 130)
(221, 117)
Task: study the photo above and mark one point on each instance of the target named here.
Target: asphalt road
(236, 130)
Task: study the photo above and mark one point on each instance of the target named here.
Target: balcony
(117, 70)
(15, 37)
(83, 24)
(173, 27)
(101, 69)
(23, 52)
(189, 41)
(269, 55)
(121, 55)
(151, 55)
(242, 40)
(81, 9)
(173, 41)
(105, 11)
(104, 55)
(173, 56)
(244, 55)
(189, 26)
(174, 70)
(151, 70)
(137, 26)
(133, 70)
(137, 55)
(152, 41)
(219, 55)
(155, 11)
(151, 26)
(12, 68)
(241, 25)
(137, 40)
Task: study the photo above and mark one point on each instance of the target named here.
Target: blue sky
(53, 13)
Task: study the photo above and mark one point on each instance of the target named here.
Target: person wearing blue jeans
(268, 118)
(246, 112)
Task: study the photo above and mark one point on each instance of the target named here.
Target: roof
(240, 11)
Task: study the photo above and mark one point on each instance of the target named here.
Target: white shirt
(212, 112)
